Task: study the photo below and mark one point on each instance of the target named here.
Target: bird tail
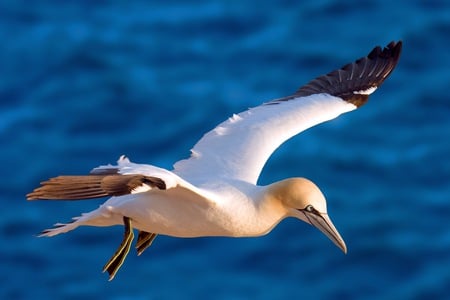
(98, 185)
(101, 217)
(71, 188)
(61, 227)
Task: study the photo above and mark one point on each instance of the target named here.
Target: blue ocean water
(85, 82)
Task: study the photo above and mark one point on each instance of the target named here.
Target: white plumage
(215, 191)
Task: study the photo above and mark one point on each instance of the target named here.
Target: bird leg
(145, 240)
(116, 261)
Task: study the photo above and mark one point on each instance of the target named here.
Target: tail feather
(60, 228)
(102, 216)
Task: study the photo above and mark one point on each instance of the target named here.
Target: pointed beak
(324, 224)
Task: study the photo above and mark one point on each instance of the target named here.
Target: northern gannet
(215, 191)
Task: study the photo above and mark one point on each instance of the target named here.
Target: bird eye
(309, 208)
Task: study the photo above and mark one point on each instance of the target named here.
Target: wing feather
(238, 148)
(113, 180)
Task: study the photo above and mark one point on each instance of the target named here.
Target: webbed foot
(116, 261)
(145, 240)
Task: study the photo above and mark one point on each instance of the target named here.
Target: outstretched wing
(107, 181)
(239, 147)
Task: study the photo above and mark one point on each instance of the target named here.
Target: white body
(214, 192)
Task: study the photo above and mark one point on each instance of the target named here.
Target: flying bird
(214, 192)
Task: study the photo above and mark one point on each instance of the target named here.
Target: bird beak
(324, 224)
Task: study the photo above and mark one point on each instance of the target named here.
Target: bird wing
(238, 148)
(115, 180)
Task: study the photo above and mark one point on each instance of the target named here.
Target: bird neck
(248, 210)
(268, 209)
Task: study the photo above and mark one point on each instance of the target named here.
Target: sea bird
(214, 192)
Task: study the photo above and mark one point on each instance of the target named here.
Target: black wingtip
(392, 50)
(354, 82)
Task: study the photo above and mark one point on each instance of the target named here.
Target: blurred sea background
(83, 82)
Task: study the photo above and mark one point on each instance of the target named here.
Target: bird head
(304, 200)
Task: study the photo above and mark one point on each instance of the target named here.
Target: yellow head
(303, 200)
